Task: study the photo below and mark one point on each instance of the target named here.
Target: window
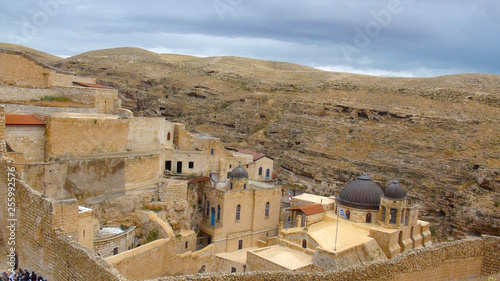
(218, 212)
(240, 244)
(84, 233)
(238, 212)
(267, 210)
(186, 244)
(268, 173)
(168, 136)
(212, 151)
(208, 208)
(231, 185)
(260, 171)
(230, 166)
(304, 243)
(233, 269)
(244, 186)
(115, 251)
(168, 165)
(191, 165)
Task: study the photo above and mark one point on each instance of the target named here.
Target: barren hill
(439, 136)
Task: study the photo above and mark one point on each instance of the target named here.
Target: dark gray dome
(239, 173)
(361, 193)
(395, 191)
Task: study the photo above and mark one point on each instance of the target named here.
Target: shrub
(152, 235)
(52, 98)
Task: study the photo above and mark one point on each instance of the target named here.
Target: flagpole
(288, 209)
(337, 231)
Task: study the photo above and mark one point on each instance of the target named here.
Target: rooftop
(256, 155)
(284, 257)
(316, 199)
(310, 209)
(239, 256)
(90, 85)
(16, 119)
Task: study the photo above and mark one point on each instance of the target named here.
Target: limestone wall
(122, 242)
(64, 80)
(76, 94)
(142, 168)
(459, 260)
(29, 140)
(147, 133)
(44, 110)
(20, 71)
(159, 258)
(39, 244)
(81, 136)
(24, 71)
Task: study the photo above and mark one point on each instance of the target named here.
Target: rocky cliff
(439, 136)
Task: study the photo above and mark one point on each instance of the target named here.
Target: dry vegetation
(440, 136)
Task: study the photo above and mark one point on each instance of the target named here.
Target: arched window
(368, 218)
(260, 171)
(208, 208)
(244, 186)
(238, 212)
(304, 243)
(168, 136)
(212, 151)
(218, 212)
(267, 210)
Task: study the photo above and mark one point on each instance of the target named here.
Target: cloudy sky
(379, 37)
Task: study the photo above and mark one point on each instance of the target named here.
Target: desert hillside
(439, 136)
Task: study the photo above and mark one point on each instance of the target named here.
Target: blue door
(212, 217)
(268, 174)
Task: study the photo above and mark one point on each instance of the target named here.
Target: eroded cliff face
(439, 136)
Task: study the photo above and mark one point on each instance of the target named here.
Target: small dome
(361, 193)
(395, 191)
(239, 173)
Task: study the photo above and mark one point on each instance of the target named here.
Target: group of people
(21, 275)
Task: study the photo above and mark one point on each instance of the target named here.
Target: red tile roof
(310, 209)
(17, 119)
(256, 155)
(89, 85)
(199, 179)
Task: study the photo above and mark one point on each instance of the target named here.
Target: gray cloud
(423, 38)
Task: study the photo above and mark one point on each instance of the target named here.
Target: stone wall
(459, 260)
(39, 243)
(68, 136)
(23, 70)
(76, 94)
(142, 168)
(64, 80)
(122, 242)
(160, 258)
(29, 140)
(41, 111)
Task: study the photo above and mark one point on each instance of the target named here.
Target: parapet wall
(21, 69)
(104, 100)
(459, 260)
